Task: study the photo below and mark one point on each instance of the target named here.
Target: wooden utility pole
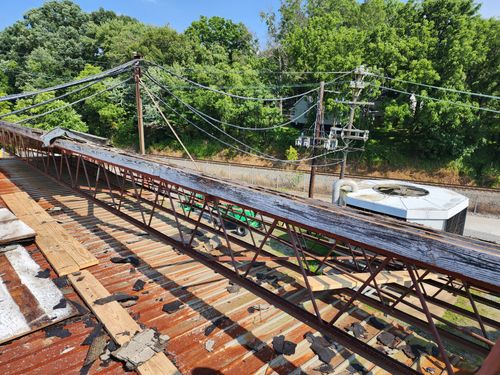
(138, 100)
(357, 87)
(317, 134)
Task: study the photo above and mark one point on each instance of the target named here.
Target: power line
(298, 85)
(436, 87)
(197, 111)
(168, 122)
(254, 128)
(72, 103)
(266, 71)
(108, 73)
(437, 100)
(51, 99)
(262, 155)
(201, 113)
(227, 93)
(217, 128)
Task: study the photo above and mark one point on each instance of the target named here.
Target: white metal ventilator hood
(427, 205)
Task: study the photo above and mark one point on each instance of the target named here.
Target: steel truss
(150, 202)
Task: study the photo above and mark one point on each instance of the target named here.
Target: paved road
(483, 227)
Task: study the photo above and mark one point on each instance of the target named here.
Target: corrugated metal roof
(41, 352)
(242, 337)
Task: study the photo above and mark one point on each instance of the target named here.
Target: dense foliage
(442, 43)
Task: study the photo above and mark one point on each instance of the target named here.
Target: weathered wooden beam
(476, 261)
(63, 252)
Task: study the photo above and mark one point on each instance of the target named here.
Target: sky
(180, 13)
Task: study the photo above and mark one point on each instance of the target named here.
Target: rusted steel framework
(308, 238)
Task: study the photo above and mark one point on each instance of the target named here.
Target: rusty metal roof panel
(210, 313)
(215, 330)
(56, 348)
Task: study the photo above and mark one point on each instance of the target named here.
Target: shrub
(291, 154)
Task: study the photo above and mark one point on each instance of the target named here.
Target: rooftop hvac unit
(432, 206)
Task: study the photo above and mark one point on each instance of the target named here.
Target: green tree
(66, 117)
(119, 39)
(291, 153)
(218, 31)
(102, 114)
(438, 42)
(49, 45)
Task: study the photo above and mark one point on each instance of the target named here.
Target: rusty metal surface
(42, 351)
(169, 277)
(241, 338)
(145, 208)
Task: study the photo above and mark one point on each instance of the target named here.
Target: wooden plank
(56, 255)
(64, 253)
(75, 249)
(332, 282)
(117, 321)
(25, 208)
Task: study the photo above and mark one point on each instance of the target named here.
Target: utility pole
(317, 134)
(357, 87)
(138, 100)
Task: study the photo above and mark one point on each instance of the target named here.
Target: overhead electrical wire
(108, 73)
(227, 93)
(297, 85)
(52, 99)
(255, 151)
(201, 113)
(254, 128)
(457, 104)
(72, 103)
(260, 154)
(436, 87)
(193, 109)
(155, 103)
(284, 72)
